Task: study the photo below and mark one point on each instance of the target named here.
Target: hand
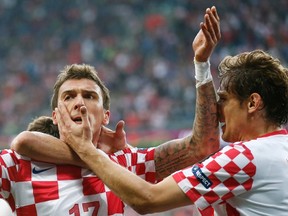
(77, 136)
(111, 141)
(208, 35)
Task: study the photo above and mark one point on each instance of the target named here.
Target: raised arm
(140, 195)
(204, 139)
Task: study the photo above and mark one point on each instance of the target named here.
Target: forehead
(79, 85)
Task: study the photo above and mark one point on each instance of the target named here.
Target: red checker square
(92, 185)
(122, 160)
(217, 154)
(150, 177)
(115, 205)
(11, 202)
(178, 176)
(140, 169)
(25, 171)
(27, 210)
(6, 184)
(193, 181)
(227, 196)
(231, 210)
(150, 155)
(231, 183)
(248, 154)
(207, 211)
(12, 172)
(215, 181)
(193, 194)
(134, 158)
(211, 197)
(248, 184)
(231, 168)
(213, 166)
(2, 161)
(129, 168)
(232, 153)
(67, 172)
(250, 169)
(45, 190)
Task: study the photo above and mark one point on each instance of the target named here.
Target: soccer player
(69, 190)
(247, 177)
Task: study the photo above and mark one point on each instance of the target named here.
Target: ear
(255, 103)
(106, 117)
(54, 118)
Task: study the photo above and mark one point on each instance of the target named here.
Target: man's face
(78, 92)
(233, 117)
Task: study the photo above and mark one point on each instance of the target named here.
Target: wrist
(99, 151)
(202, 72)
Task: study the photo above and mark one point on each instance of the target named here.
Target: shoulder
(133, 156)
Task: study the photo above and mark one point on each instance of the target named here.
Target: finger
(214, 11)
(63, 115)
(205, 31)
(120, 127)
(84, 116)
(215, 21)
(106, 130)
(63, 119)
(210, 21)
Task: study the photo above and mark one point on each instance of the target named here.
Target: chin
(226, 138)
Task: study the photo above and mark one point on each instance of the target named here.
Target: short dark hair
(79, 71)
(258, 72)
(44, 124)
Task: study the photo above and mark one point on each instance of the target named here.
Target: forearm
(206, 125)
(46, 148)
(204, 138)
(142, 196)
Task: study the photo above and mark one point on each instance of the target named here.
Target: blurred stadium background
(140, 48)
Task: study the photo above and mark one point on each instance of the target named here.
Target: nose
(79, 102)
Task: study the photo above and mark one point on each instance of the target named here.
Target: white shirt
(248, 178)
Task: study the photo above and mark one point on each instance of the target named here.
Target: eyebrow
(72, 91)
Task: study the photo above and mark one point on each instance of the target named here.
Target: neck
(260, 130)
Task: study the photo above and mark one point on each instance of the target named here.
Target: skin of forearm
(204, 139)
(129, 187)
(42, 147)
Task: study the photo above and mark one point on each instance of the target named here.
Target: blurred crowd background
(140, 48)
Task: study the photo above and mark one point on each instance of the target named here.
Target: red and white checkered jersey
(244, 178)
(35, 188)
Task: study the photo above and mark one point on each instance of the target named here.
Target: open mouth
(77, 120)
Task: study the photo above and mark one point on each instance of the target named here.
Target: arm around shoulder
(43, 147)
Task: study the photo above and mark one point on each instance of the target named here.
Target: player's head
(79, 71)
(78, 86)
(44, 124)
(255, 78)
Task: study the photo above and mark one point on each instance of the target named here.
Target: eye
(89, 96)
(67, 97)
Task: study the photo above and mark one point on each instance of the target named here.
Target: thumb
(120, 127)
